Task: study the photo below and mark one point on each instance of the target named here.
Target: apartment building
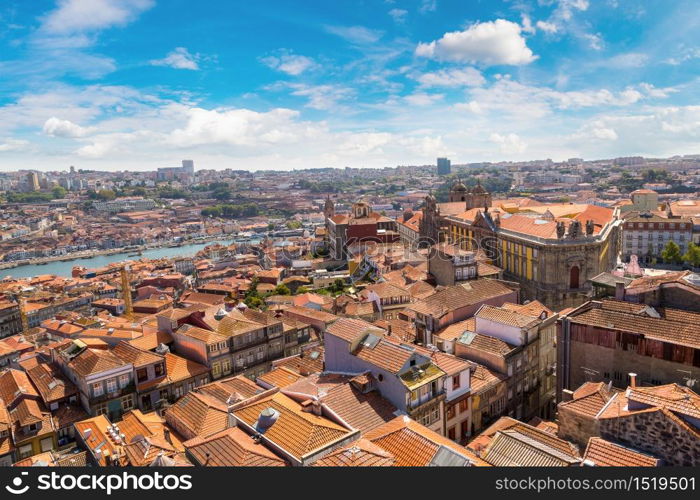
(105, 382)
(646, 235)
(403, 374)
(604, 341)
(508, 342)
(453, 304)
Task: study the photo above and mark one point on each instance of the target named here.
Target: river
(64, 268)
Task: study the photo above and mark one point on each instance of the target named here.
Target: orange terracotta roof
(240, 387)
(295, 430)
(232, 448)
(414, 445)
(137, 357)
(349, 329)
(178, 368)
(279, 377)
(506, 317)
(603, 453)
(361, 410)
(360, 453)
(15, 384)
(50, 382)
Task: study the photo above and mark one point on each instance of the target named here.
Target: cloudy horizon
(141, 84)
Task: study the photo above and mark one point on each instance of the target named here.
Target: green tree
(59, 192)
(252, 296)
(254, 302)
(106, 195)
(337, 286)
(222, 193)
(692, 256)
(293, 224)
(672, 253)
(281, 289)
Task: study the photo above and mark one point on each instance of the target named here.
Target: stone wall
(657, 434)
(576, 427)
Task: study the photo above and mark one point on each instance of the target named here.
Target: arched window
(573, 277)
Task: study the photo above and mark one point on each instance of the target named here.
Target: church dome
(458, 186)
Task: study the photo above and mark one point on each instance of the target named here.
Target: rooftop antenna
(591, 374)
(689, 381)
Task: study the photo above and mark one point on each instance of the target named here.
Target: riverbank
(89, 254)
(65, 267)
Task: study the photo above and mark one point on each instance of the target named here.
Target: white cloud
(9, 145)
(421, 99)
(509, 143)
(453, 77)
(605, 133)
(398, 15)
(356, 34)
(516, 99)
(547, 27)
(684, 55)
(625, 60)
(427, 6)
(595, 131)
(595, 40)
(656, 92)
(180, 58)
(56, 127)
(563, 20)
(72, 16)
(527, 24)
(321, 97)
(490, 43)
(240, 127)
(471, 106)
(565, 8)
(291, 64)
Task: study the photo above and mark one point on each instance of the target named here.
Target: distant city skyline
(140, 84)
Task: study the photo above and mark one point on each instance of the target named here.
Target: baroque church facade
(433, 226)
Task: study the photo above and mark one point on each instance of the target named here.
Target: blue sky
(138, 84)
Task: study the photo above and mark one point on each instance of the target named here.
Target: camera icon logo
(17, 488)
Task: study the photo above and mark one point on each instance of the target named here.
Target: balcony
(107, 396)
(427, 401)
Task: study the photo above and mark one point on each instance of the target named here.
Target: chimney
(620, 290)
(567, 395)
(312, 406)
(166, 435)
(633, 380)
(231, 419)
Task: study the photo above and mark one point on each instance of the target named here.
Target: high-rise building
(32, 181)
(183, 173)
(188, 166)
(444, 166)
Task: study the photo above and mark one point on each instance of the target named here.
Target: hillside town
(492, 314)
